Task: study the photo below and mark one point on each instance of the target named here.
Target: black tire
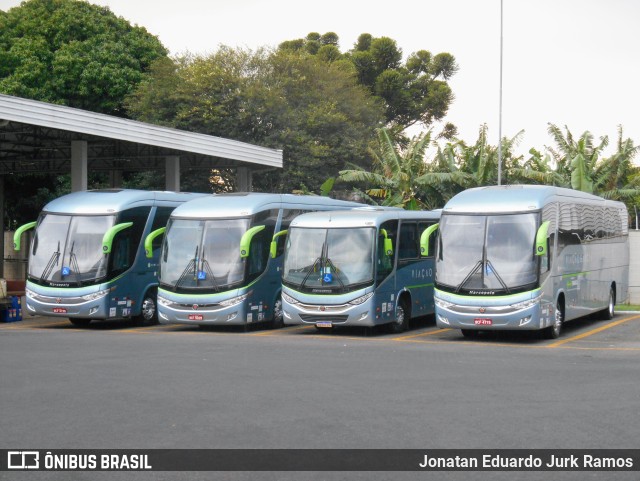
(278, 318)
(470, 333)
(553, 331)
(610, 310)
(401, 321)
(148, 310)
(80, 322)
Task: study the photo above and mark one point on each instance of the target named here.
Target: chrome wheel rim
(148, 309)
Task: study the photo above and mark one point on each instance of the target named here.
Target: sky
(573, 63)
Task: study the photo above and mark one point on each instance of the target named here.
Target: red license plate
(196, 317)
(482, 322)
(59, 310)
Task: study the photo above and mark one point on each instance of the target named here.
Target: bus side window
(287, 216)
(160, 220)
(409, 241)
(261, 242)
(127, 241)
(549, 214)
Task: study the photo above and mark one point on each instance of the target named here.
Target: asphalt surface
(113, 385)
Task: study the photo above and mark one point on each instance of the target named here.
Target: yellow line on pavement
(593, 331)
(424, 334)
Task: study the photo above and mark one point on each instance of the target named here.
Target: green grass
(627, 307)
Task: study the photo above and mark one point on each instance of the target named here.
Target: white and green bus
(221, 259)
(87, 257)
(361, 267)
(529, 258)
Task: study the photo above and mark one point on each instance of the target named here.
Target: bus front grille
(323, 318)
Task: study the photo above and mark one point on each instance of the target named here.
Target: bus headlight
(163, 301)
(235, 300)
(96, 295)
(442, 303)
(359, 300)
(289, 299)
(526, 304)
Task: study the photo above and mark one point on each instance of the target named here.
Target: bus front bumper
(531, 314)
(91, 306)
(205, 313)
(329, 315)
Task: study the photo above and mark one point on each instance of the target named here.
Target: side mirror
(148, 241)
(245, 241)
(18, 234)
(424, 239)
(388, 243)
(107, 238)
(273, 248)
(541, 239)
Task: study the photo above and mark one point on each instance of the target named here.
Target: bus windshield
(330, 260)
(203, 254)
(68, 248)
(487, 253)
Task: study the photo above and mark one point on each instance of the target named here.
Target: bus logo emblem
(482, 309)
(195, 307)
(321, 308)
(58, 300)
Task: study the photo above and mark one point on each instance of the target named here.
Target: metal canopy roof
(36, 137)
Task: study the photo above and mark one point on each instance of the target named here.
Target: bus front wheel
(553, 331)
(401, 322)
(148, 309)
(278, 318)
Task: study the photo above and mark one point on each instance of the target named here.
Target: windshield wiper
(73, 261)
(191, 266)
(207, 269)
(311, 269)
(329, 263)
(477, 266)
(494, 271)
(53, 261)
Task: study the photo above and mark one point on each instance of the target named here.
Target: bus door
(130, 270)
(385, 297)
(415, 273)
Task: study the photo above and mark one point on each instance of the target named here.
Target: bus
(87, 259)
(362, 267)
(221, 258)
(529, 258)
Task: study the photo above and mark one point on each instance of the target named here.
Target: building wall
(634, 267)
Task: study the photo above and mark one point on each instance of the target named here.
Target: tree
(73, 53)
(397, 177)
(312, 109)
(415, 91)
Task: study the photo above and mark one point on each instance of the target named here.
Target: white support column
(243, 179)
(79, 168)
(172, 173)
